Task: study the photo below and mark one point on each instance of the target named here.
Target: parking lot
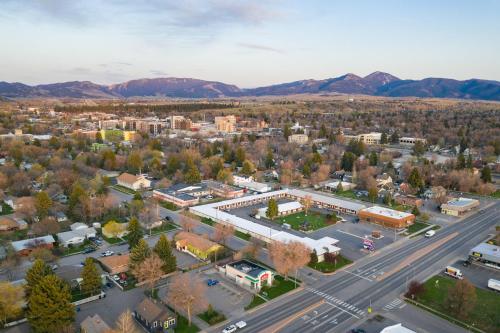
(349, 233)
(477, 274)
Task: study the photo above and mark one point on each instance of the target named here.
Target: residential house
(384, 181)
(94, 324)
(133, 182)
(11, 224)
(26, 246)
(408, 200)
(76, 237)
(115, 264)
(195, 245)
(155, 317)
(61, 217)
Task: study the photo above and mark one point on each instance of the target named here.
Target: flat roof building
(386, 217)
(487, 253)
(249, 274)
(457, 207)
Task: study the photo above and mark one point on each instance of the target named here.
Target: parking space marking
(348, 233)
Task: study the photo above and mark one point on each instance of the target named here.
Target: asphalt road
(351, 292)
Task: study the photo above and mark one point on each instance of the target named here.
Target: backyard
(312, 221)
(484, 315)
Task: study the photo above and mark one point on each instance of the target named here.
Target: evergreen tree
(240, 156)
(269, 161)
(306, 170)
(322, 131)
(468, 164)
(134, 232)
(287, 131)
(372, 194)
(76, 193)
(49, 306)
(192, 174)
(415, 180)
(98, 137)
(373, 158)
(347, 162)
(486, 174)
(248, 168)
(418, 148)
(383, 138)
(164, 251)
(42, 204)
(415, 211)
(137, 196)
(91, 280)
(138, 254)
(314, 258)
(272, 209)
(395, 137)
(37, 272)
(460, 161)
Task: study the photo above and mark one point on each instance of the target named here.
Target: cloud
(115, 64)
(158, 72)
(260, 47)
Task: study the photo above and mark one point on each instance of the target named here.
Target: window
(155, 324)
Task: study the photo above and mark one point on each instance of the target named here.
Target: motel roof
(328, 200)
(288, 206)
(387, 212)
(325, 244)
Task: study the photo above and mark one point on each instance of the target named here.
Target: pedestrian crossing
(396, 303)
(338, 303)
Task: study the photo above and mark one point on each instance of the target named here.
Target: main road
(372, 281)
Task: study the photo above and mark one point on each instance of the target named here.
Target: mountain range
(375, 84)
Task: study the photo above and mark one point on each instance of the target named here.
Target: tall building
(180, 122)
(226, 124)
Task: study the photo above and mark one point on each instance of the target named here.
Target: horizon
(246, 43)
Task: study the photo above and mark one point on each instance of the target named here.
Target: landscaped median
(483, 315)
(280, 287)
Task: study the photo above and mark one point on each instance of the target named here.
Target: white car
(116, 277)
(230, 329)
(241, 324)
(430, 233)
(107, 253)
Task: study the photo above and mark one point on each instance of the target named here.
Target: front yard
(330, 267)
(279, 287)
(485, 314)
(312, 221)
(166, 227)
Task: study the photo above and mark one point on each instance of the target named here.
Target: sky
(246, 42)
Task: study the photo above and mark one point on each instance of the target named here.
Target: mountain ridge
(375, 84)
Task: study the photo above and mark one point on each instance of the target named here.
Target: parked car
(212, 282)
(54, 267)
(107, 253)
(89, 250)
(230, 329)
(358, 330)
(116, 277)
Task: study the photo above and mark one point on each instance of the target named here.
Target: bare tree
(150, 270)
(289, 257)
(46, 226)
(187, 293)
(306, 202)
(187, 223)
(124, 324)
(253, 248)
(223, 232)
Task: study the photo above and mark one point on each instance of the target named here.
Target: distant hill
(375, 84)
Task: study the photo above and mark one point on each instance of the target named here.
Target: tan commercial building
(133, 182)
(226, 124)
(457, 207)
(386, 217)
(372, 138)
(298, 139)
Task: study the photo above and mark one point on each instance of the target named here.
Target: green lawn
(166, 227)
(496, 194)
(76, 249)
(279, 287)
(6, 209)
(346, 194)
(417, 226)
(208, 221)
(242, 235)
(329, 267)
(316, 220)
(113, 240)
(484, 315)
(123, 189)
(169, 205)
(183, 327)
(212, 317)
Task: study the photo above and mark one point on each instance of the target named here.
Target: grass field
(316, 220)
(329, 267)
(6, 209)
(169, 205)
(166, 227)
(485, 315)
(417, 226)
(279, 287)
(123, 189)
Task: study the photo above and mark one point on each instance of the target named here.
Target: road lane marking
(281, 324)
(338, 307)
(360, 276)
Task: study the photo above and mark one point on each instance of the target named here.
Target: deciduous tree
(42, 204)
(187, 292)
(223, 232)
(149, 271)
(461, 298)
(187, 223)
(11, 301)
(306, 202)
(125, 323)
(289, 257)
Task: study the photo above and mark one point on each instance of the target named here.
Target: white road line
(352, 314)
(313, 318)
(348, 233)
(360, 276)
